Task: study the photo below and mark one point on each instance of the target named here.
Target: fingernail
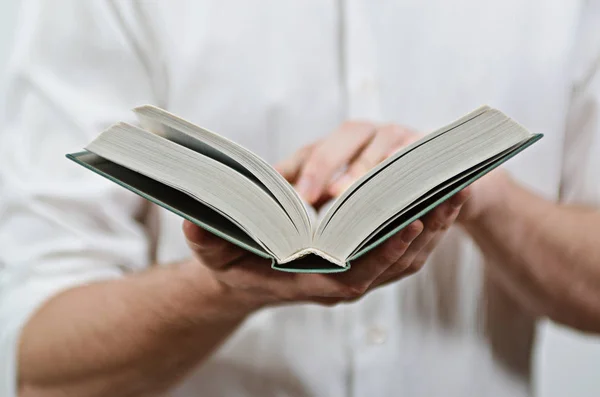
(304, 188)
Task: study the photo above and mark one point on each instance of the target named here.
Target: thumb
(210, 249)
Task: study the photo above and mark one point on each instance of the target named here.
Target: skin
(171, 318)
(544, 254)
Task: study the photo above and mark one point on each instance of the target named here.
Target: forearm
(546, 254)
(133, 336)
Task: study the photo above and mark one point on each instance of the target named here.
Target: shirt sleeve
(77, 67)
(580, 179)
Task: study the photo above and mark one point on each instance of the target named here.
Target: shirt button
(376, 336)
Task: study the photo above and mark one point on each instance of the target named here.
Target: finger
(415, 256)
(368, 268)
(252, 276)
(413, 267)
(461, 197)
(290, 167)
(451, 217)
(322, 201)
(212, 250)
(404, 263)
(386, 140)
(328, 157)
(409, 271)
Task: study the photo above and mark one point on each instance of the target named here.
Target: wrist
(204, 295)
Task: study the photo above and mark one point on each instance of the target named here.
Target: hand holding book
(256, 285)
(249, 279)
(323, 170)
(229, 191)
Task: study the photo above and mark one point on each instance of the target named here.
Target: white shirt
(274, 75)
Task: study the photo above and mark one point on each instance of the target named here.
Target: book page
(171, 199)
(227, 152)
(411, 174)
(437, 195)
(206, 180)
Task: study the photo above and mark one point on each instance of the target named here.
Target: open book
(230, 191)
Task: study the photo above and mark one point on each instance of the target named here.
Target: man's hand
(327, 167)
(350, 152)
(544, 254)
(252, 281)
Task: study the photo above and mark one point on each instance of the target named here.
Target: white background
(8, 13)
(567, 363)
